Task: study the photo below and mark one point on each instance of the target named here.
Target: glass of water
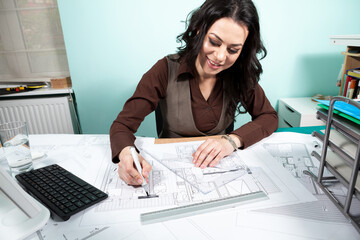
(14, 139)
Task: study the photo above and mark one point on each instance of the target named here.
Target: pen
(138, 167)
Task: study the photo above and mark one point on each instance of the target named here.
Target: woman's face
(221, 47)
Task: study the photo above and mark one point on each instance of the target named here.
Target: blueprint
(178, 159)
(293, 210)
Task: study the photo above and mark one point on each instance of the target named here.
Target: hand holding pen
(138, 167)
(127, 169)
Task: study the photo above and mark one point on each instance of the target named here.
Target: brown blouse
(152, 87)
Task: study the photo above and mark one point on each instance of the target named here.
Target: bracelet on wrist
(227, 137)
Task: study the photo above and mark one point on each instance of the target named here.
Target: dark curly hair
(245, 72)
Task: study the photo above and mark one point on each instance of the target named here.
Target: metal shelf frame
(350, 131)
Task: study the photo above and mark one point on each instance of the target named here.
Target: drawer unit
(298, 112)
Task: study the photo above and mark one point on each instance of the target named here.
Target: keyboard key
(92, 197)
(85, 200)
(77, 180)
(72, 208)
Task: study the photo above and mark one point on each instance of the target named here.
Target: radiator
(50, 115)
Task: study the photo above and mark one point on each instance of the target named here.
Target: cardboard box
(64, 82)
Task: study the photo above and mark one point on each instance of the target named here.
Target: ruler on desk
(203, 207)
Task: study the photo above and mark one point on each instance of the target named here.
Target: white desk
(289, 214)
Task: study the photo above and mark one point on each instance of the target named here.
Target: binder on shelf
(355, 73)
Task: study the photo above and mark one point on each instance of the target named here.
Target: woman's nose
(220, 54)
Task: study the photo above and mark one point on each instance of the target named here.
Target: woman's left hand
(212, 151)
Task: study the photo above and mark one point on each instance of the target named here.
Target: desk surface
(295, 209)
(304, 130)
(178, 140)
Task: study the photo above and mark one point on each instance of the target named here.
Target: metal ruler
(203, 207)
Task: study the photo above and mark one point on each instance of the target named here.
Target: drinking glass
(14, 140)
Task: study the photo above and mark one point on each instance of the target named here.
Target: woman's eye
(233, 51)
(212, 42)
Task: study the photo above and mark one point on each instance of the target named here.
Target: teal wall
(110, 44)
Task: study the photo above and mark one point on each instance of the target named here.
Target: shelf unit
(352, 60)
(352, 54)
(343, 161)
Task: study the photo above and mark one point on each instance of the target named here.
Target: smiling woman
(199, 90)
(221, 47)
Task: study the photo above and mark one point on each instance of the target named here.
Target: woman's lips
(213, 64)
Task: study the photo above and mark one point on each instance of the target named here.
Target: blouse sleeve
(151, 88)
(264, 118)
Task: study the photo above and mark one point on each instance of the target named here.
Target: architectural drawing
(178, 159)
(173, 190)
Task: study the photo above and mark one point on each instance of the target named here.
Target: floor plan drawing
(178, 159)
(171, 190)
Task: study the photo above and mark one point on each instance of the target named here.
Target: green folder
(341, 114)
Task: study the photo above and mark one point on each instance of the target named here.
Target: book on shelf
(351, 88)
(357, 91)
(351, 84)
(346, 84)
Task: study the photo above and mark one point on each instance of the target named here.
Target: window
(31, 41)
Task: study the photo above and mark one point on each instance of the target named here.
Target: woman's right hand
(127, 170)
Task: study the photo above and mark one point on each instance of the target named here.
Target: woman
(199, 90)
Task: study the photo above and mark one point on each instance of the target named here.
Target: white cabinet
(298, 112)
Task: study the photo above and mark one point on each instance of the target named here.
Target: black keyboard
(63, 193)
